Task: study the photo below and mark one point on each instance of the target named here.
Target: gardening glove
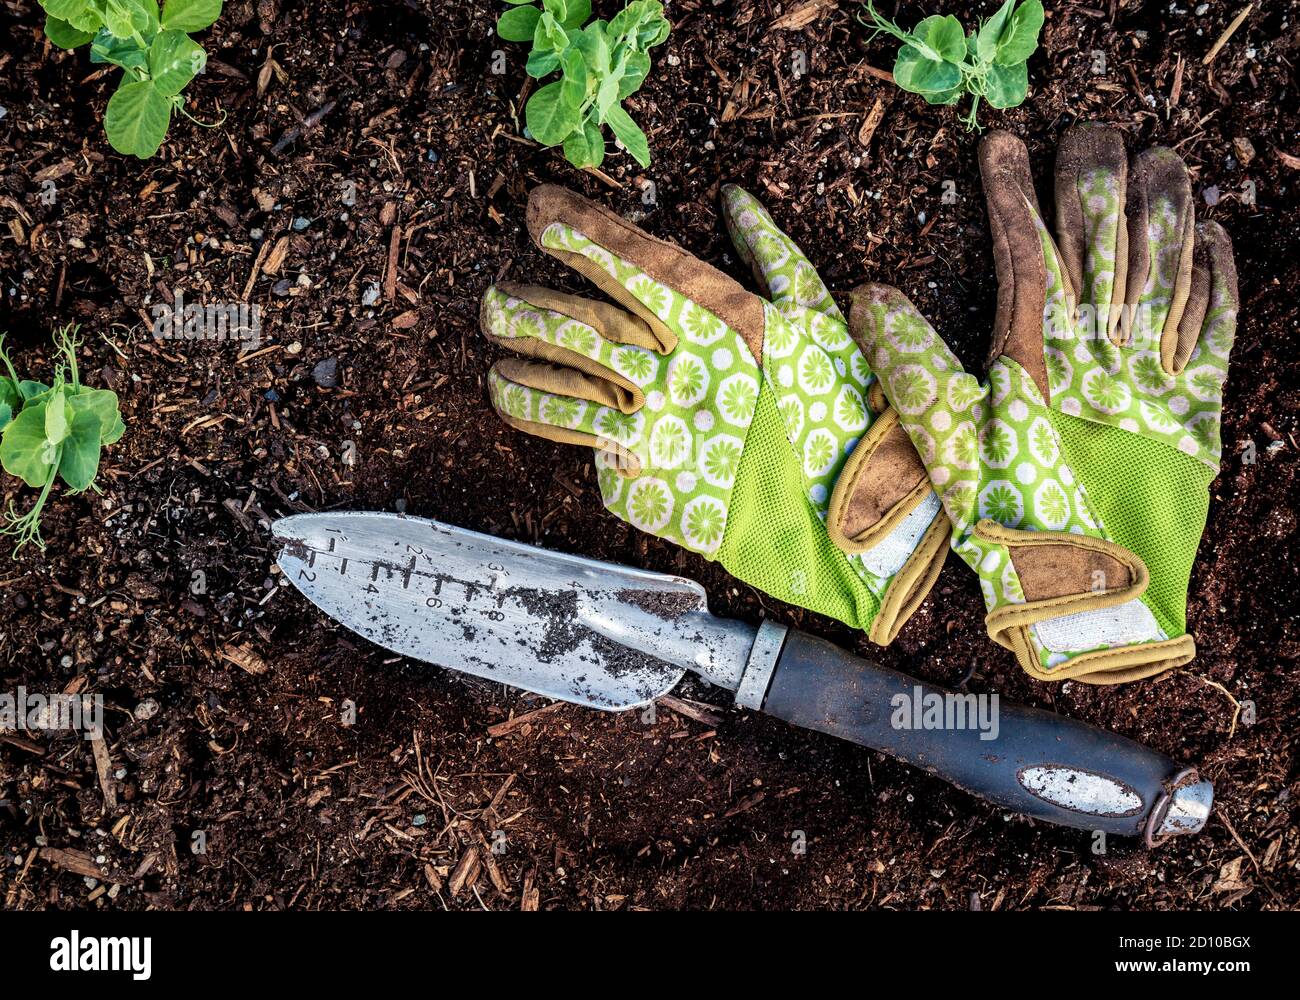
(733, 425)
(1077, 476)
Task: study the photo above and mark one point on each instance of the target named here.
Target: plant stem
(27, 529)
(8, 364)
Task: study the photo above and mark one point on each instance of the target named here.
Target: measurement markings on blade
(382, 571)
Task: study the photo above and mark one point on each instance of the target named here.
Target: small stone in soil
(147, 709)
(326, 373)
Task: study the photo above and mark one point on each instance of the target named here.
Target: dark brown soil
(638, 810)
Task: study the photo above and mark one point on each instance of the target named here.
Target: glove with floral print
(1077, 476)
(737, 426)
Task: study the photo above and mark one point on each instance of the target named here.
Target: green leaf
(1006, 86)
(125, 52)
(80, 460)
(99, 405)
(6, 415)
(89, 19)
(117, 21)
(579, 11)
(64, 10)
(518, 2)
(625, 20)
(653, 32)
(549, 34)
(629, 134)
(990, 34)
(541, 62)
(1020, 40)
(64, 35)
(190, 15)
(558, 9)
(919, 75)
(23, 449)
(635, 69)
(138, 13)
(149, 19)
(137, 119)
(594, 47)
(115, 432)
(606, 96)
(32, 391)
(58, 417)
(9, 394)
(585, 147)
(518, 24)
(944, 35)
(174, 60)
(550, 121)
(641, 21)
(573, 89)
(944, 96)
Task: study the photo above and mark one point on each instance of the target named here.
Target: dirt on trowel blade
(556, 612)
(667, 606)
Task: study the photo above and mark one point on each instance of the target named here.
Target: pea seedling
(599, 66)
(941, 62)
(50, 432)
(154, 49)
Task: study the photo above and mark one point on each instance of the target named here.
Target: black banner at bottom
(202, 952)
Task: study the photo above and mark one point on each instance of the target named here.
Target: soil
(233, 779)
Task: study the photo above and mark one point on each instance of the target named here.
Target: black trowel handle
(1033, 762)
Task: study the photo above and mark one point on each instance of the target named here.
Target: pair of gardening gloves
(756, 429)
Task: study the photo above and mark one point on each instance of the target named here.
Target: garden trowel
(611, 637)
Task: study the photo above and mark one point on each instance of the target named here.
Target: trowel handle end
(1034, 762)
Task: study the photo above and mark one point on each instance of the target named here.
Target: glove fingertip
(550, 203)
(871, 303)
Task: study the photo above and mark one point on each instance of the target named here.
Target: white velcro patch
(1122, 625)
(888, 557)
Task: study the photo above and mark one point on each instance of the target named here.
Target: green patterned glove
(736, 426)
(1077, 476)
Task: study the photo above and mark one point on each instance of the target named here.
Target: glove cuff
(1082, 616)
(882, 482)
(912, 583)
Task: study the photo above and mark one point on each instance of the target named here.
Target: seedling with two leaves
(600, 65)
(941, 62)
(50, 432)
(154, 49)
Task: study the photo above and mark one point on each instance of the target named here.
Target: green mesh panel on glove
(781, 547)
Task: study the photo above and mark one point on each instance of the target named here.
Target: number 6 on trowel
(613, 638)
